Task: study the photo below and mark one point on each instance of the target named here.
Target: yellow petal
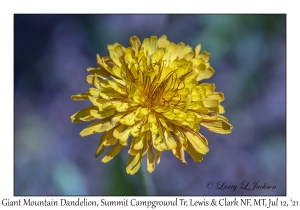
(128, 119)
(139, 142)
(112, 153)
(153, 128)
(169, 51)
(86, 118)
(165, 141)
(109, 94)
(197, 157)
(142, 59)
(116, 52)
(198, 141)
(190, 80)
(176, 152)
(203, 72)
(179, 153)
(146, 143)
(115, 86)
(208, 88)
(163, 41)
(221, 109)
(180, 51)
(152, 118)
(162, 109)
(169, 141)
(189, 55)
(150, 45)
(106, 106)
(79, 97)
(94, 92)
(100, 150)
(102, 64)
(168, 95)
(117, 117)
(132, 66)
(145, 127)
(157, 143)
(101, 146)
(124, 136)
(212, 105)
(99, 71)
(119, 81)
(117, 132)
(188, 102)
(131, 150)
(216, 96)
(199, 107)
(205, 56)
(169, 115)
(98, 102)
(83, 115)
(93, 80)
(180, 115)
(121, 107)
(182, 66)
(158, 153)
(140, 99)
(134, 163)
(197, 61)
(117, 71)
(216, 124)
(150, 160)
(197, 50)
(98, 126)
(98, 115)
(140, 114)
(110, 141)
(157, 56)
(180, 137)
(136, 129)
(166, 125)
(184, 92)
(135, 44)
(165, 74)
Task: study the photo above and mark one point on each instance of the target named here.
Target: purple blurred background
(51, 54)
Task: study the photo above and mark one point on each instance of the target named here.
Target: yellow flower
(148, 97)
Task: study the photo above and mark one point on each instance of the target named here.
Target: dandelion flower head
(149, 99)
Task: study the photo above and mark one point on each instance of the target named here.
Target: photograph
(149, 105)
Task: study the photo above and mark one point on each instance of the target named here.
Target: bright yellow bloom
(148, 97)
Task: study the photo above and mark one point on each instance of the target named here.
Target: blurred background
(51, 55)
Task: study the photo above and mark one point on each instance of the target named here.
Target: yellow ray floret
(148, 98)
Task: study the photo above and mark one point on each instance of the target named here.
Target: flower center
(156, 84)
